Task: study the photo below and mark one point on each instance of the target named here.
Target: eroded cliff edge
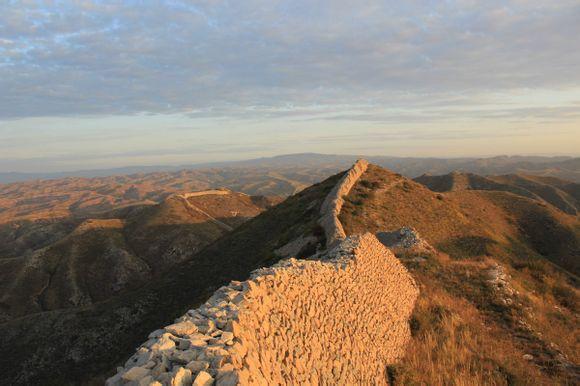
(339, 317)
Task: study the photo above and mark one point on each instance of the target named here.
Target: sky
(99, 84)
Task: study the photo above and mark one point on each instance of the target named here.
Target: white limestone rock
(182, 377)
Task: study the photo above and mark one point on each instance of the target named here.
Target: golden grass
(453, 344)
(465, 331)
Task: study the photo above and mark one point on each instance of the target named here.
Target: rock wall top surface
(332, 205)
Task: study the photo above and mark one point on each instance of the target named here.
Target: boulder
(135, 374)
(182, 328)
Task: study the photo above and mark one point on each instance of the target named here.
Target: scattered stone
(183, 357)
(227, 336)
(229, 378)
(114, 380)
(163, 343)
(406, 238)
(183, 344)
(182, 377)
(198, 342)
(197, 366)
(148, 381)
(135, 374)
(156, 333)
(203, 379)
(181, 329)
(207, 327)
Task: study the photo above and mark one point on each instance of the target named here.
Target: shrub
(566, 296)
(370, 184)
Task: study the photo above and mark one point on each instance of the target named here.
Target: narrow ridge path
(189, 205)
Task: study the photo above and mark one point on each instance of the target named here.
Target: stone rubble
(405, 239)
(499, 282)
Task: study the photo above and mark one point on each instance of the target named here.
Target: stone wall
(332, 205)
(340, 318)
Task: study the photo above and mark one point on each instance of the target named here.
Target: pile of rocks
(499, 282)
(196, 349)
(405, 239)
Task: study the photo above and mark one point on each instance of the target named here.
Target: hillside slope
(118, 252)
(70, 346)
(499, 293)
(88, 197)
(562, 194)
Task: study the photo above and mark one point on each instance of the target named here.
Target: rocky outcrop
(332, 205)
(405, 239)
(337, 318)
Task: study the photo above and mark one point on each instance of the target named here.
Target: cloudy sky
(93, 84)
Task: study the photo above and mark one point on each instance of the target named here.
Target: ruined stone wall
(340, 318)
(218, 192)
(332, 205)
(335, 321)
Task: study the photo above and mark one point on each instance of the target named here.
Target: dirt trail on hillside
(221, 224)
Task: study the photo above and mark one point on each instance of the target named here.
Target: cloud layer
(100, 83)
(222, 58)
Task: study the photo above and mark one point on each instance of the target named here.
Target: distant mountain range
(562, 167)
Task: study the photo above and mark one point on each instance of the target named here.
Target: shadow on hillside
(466, 247)
(77, 345)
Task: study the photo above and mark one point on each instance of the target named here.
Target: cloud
(277, 58)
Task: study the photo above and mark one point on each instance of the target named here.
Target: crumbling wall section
(340, 319)
(332, 205)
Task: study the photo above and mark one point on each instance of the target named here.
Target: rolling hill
(564, 167)
(499, 293)
(115, 252)
(562, 194)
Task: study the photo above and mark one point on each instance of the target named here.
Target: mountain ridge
(102, 257)
(563, 166)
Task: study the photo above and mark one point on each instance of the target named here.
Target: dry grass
(453, 344)
(464, 331)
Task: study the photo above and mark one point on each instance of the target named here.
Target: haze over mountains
(89, 267)
(561, 166)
